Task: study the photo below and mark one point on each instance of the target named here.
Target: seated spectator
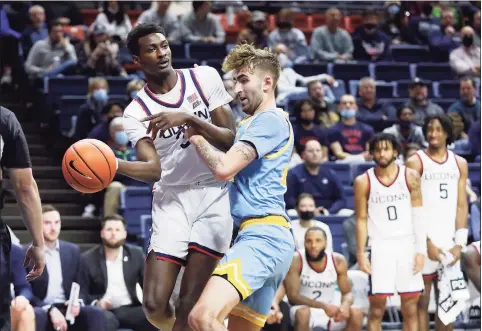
(326, 115)
(52, 289)
(51, 56)
(406, 131)
(468, 106)
(420, 103)
(314, 178)
(286, 34)
(109, 112)
(370, 44)
(201, 25)
(256, 31)
(471, 264)
(36, 31)
(115, 21)
(133, 87)
(465, 60)
(474, 139)
(112, 271)
(305, 128)
(423, 24)
(443, 41)
(348, 139)
(98, 55)
(119, 142)
(90, 113)
(368, 107)
(330, 42)
(159, 14)
(409, 150)
(306, 209)
(395, 25)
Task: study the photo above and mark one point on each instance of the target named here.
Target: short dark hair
(197, 4)
(48, 208)
(400, 109)
(316, 228)
(140, 31)
(298, 105)
(468, 79)
(53, 23)
(114, 217)
(369, 13)
(446, 125)
(383, 136)
(304, 196)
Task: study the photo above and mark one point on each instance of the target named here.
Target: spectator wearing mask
(133, 87)
(326, 115)
(443, 41)
(369, 43)
(348, 139)
(468, 106)
(90, 113)
(98, 56)
(109, 112)
(305, 208)
(159, 14)
(418, 93)
(256, 32)
(314, 178)
(201, 25)
(465, 60)
(395, 25)
(51, 56)
(305, 128)
(286, 34)
(330, 42)
(36, 31)
(474, 140)
(368, 107)
(115, 21)
(405, 130)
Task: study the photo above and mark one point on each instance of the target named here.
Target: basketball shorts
(430, 267)
(392, 262)
(318, 319)
(194, 217)
(256, 265)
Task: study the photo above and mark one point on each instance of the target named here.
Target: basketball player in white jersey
(388, 203)
(318, 287)
(471, 263)
(192, 225)
(443, 176)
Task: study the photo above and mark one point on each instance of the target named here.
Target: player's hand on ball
(163, 121)
(364, 264)
(456, 251)
(418, 263)
(434, 253)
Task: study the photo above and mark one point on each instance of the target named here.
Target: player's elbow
(223, 175)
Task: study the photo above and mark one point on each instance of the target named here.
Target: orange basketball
(89, 165)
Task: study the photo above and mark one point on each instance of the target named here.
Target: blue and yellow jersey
(258, 190)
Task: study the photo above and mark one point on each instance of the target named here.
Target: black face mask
(404, 124)
(306, 215)
(284, 25)
(306, 122)
(316, 258)
(468, 41)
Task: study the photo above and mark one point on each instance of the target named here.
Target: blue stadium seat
(434, 71)
(359, 168)
(349, 197)
(57, 87)
(207, 51)
(311, 69)
(474, 174)
(449, 89)
(410, 53)
(350, 71)
(338, 91)
(336, 227)
(118, 85)
(403, 85)
(384, 90)
(145, 230)
(179, 63)
(444, 103)
(343, 171)
(135, 202)
(178, 50)
(396, 102)
(392, 71)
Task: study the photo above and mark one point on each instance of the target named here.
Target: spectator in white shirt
(159, 14)
(465, 60)
(116, 22)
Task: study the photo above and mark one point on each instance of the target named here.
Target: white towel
(453, 292)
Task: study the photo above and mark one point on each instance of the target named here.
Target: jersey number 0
(392, 213)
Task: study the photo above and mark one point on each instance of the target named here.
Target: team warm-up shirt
(198, 91)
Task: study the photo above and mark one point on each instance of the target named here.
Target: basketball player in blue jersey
(245, 281)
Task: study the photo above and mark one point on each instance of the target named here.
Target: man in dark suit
(52, 289)
(112, 271)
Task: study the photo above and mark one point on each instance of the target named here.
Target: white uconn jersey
(319, 286)
(440, 194)
(389, 207)
(198, 91)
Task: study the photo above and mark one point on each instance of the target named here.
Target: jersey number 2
(392, 213)
(316, 295)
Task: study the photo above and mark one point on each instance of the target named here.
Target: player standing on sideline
(192, 225)
(246, 279)
(388, 211)
(444, 177)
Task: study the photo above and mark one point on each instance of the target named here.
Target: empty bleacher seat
(118, 85)
(474, 174)
(184, 63)
(392, 71)
(349, 197)
(359, 168)
(449, 89)
(178, 50)
(403, 86)
(207, 51)
(336, 227)
(342, 170)
(434, 71)
(410, 53)
(444, 103)
(135, 202)
(57, 87)
(350, 71)
(311, 69)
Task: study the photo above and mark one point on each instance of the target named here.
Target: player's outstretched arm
(148, 168)
(361, 188)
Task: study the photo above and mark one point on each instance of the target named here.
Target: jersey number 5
(392, 213)
(443, 191)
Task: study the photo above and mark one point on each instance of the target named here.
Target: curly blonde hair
(247, 55)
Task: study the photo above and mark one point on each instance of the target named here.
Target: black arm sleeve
(14, 148)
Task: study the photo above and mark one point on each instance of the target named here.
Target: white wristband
(461, 237)
(418, 220)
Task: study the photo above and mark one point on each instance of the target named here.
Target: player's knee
(201, 319)
(155, 307)
(409, 307)
(377, 311)
(423, 302)
(302, 316)
(356, 317)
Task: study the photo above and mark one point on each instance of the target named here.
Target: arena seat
(359, 168)
(449, 89)
(434, 71)
(216, 64)
(207, 51)
(178, 50)
(350, 71)
(384, 89)
(343, 170)
(349, 197)
(135, 202)
(336, 227)
(410, 53)
(184, 63)
(388, 71)
(145, 230)
(444, 103)
(474, 174)
(311, 69)
(118, 85)
(396, 102)
(56, 87)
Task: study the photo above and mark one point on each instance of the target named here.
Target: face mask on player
(316, 258)
(306, 215)
(121, 138)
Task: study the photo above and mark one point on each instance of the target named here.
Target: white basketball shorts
(318, 319)
(392, 262)
(194, 217)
